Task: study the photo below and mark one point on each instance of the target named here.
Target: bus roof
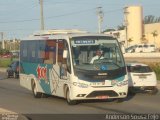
(60, 34)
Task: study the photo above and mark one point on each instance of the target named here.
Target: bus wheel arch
(34, 89)
(67, 96)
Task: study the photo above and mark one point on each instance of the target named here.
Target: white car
(141, 78)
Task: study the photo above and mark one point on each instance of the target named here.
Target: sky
(19, 18)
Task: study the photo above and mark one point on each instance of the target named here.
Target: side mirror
(65, 54)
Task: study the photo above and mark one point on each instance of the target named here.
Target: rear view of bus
(102, 78)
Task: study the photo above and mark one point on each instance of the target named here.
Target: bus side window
(64, 63)
(50, 52)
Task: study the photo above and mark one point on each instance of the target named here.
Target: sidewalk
(10, 115)
(3, 69)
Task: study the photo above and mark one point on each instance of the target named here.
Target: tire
(15, 75)
(154, 91)
(43, 95)
(131, 91)
(69, 101)
(8, 75)
(34, 90)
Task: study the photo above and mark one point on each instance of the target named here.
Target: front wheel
(34, 90)
(69, 101)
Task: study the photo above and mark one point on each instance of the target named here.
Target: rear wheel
(131, 91)
(34, 90)
(69, 101)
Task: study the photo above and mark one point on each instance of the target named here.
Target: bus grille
(109, 93)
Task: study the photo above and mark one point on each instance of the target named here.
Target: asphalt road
(17, 99)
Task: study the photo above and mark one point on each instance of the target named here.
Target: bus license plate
(97, 84)
(102, 97)
(142, 77)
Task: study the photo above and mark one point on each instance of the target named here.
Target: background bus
(60, 65)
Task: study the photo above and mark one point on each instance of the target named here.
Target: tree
(144, 39)
(129, 41)
(151, 19)
(109, 30)
(154, 34)
(121, 27)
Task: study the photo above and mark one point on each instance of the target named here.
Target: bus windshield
(96, 53)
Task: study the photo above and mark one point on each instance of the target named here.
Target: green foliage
(151, 19)
(121, 27)
(4, 62)
(3, 51)
(109, 30)
(156, 69)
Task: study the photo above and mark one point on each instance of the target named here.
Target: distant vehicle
(145, 48)
(141, 78)
(13, 70)
(6, 56)
(131, 49)
(141, 48)
(15, 53)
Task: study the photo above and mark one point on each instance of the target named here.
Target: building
(150, 30)
(147, 38)
(135, 31)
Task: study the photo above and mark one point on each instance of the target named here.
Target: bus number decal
(42, 73)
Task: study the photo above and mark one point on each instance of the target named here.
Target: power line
(62, 15)
(71, 13)
(110, 11)
(17, 21)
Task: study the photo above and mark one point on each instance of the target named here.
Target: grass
(4, 62)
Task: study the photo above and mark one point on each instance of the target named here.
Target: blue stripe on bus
(31, 68)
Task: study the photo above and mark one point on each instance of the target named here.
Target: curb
(5, 111)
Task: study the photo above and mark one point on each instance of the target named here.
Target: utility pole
(100, 15)
(42, 17)
(126, 25)
(2, 38)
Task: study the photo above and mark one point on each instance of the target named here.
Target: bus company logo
(42, 72)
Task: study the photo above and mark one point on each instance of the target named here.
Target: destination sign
(84, 41)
